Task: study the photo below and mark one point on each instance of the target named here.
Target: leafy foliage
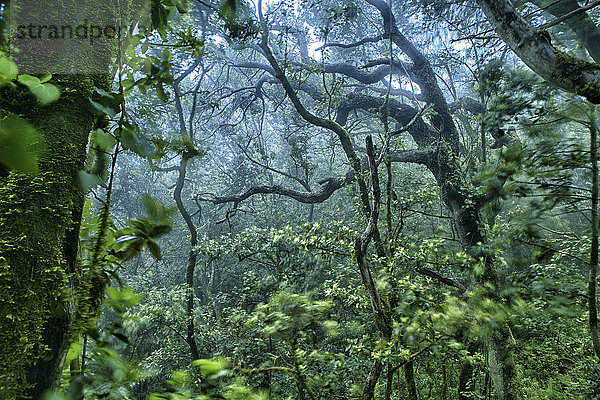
(142, 233)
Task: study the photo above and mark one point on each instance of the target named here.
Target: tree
(438, 149)
(447, 251)
(567, 72)
(40, 219)
(40, 225)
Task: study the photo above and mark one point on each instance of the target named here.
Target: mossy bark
(500, 348)
(588, 34)
(39, 227)
(536, 50)
(411, 385)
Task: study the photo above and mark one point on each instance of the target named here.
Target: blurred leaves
(20, 144)
(144, 232)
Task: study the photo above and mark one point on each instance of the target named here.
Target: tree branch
(580, 22)
(410, 156)
(328, 187)
(442, 278)
(374, 39)
(534, 48)
(423, 75)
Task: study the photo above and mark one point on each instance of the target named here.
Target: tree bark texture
(411, 385)
(536, 50)
(39, 229)
(500, 361)
(584, 27)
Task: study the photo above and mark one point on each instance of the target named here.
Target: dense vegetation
(307, 200)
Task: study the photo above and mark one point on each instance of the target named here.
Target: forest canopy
(249, 199)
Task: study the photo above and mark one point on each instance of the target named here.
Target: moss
(37, 215)
(576, 70)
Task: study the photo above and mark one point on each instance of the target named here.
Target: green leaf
(162, 95)
(151, 206)
(132, 140)
(29, 80)
(19, 144)
(127, 83)
(102, 109)
(113, 293)
(128, 139)
(154, 249)
(126, 296)
(105, 140)
(45, 92)
(211, 367)
(45, 78)
(142, 226)
(156, 210)
(89, 181)
(133, 249)
(159, 230)
(8, 69)
(73, 352)
(126, 238)
(103, 93)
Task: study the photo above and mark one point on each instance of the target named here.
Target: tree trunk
(498, 341)
(501, 366)
(389, 382)
(591, 292)
(181, 172)
(191, 262)
(371, 381)
(39, 229)
(411, 386)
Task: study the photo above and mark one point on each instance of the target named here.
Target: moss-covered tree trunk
(39, 228)
(498, 342)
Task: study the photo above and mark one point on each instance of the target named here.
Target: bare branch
(570, 15)
(410, 156)
(328, 187)
(277, 171)
(386, 143)
(471, 105)
(402, 113)
(374, 39)
(442, 278)
(167, 169)
(422, 73)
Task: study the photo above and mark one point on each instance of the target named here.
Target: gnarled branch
(534, 48)
(328, 187)
(374, 39)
